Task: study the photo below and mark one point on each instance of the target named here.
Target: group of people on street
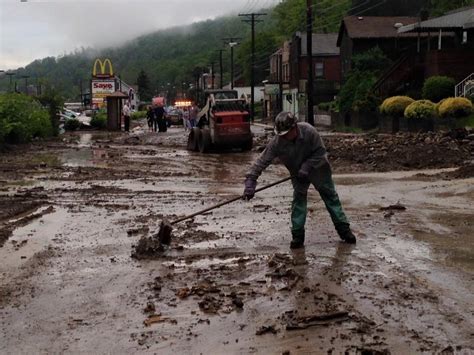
(156, 118)
(190, 117)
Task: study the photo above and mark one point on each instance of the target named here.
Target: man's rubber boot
(296, 244)
(348, 237)
(298, 241)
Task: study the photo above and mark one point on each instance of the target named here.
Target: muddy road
(72, 210)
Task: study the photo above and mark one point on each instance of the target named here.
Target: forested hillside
(169, 57)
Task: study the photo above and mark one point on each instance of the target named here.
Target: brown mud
(76, 208)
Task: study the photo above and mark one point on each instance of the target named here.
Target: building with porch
(443, 46)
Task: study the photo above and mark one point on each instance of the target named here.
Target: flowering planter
(447, 123)
(336, 119)
(392, 124)
(365, 120)
(420, 125)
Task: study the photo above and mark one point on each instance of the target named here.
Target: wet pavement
(229, 283)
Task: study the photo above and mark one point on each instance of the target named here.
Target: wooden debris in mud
(157, 318)
(266, 329)
(314, 320)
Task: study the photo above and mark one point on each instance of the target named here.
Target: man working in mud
(301, 150)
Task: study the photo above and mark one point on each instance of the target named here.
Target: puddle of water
(85, 157)
(28, 240)
(85, 140)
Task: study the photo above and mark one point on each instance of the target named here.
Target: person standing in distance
(126, 116)
(301, 150)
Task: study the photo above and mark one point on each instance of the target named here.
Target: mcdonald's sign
(103, 66)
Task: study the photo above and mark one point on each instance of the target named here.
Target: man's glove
(249, 191)
(303, 173)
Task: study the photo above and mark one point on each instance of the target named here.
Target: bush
(327, 106)
(137, 115)
(99, 121)
(395, 105)
(422, 109)
(437, 88)
(364, 98)
(22, 118)
(356, 94)
(454, 107)
(72, 124)
(373, 60)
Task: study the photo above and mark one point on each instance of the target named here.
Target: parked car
(68, 114)
(174, 117)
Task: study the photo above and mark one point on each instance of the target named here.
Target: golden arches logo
(102, 66)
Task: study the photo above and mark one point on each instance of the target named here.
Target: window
(286, 73)
(319, 70)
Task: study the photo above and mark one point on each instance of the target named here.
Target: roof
(373, 26)
(462, 18)
(323, 44)
(117, 94)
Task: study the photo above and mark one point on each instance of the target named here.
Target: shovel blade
(164, 234)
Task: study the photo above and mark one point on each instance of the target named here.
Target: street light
(232, 45)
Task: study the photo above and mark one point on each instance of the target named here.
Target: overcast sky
(33, 29)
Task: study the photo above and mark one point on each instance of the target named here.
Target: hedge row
(22, 118)
(398, 106)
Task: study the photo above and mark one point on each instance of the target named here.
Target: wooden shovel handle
(228, 201)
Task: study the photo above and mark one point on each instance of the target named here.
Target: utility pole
(26, 83)
(10, 74)
(232, 42)
(221, 79)
(252, 19)
(309, 54)
(280, 81)
(212, 75)
(38, 87)
(82, 94)
(197, 88)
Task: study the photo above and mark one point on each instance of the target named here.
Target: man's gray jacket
(306, 152)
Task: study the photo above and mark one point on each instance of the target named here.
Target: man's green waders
(323, 183)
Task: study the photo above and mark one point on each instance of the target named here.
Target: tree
(440, 7)
(144, 90)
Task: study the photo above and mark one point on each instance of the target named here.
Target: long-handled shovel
(166, 227)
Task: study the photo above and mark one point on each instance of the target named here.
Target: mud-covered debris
(283, 272)
(294, 322)
(157, 318)
(147, 248)
(183, 293)
(368, 351)
(210, 304)
(150, 308)
(396, 207)
(389, 214)
(264, 329)
(278, 259)
(197, 236)
(237, 301)
(136, 231)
